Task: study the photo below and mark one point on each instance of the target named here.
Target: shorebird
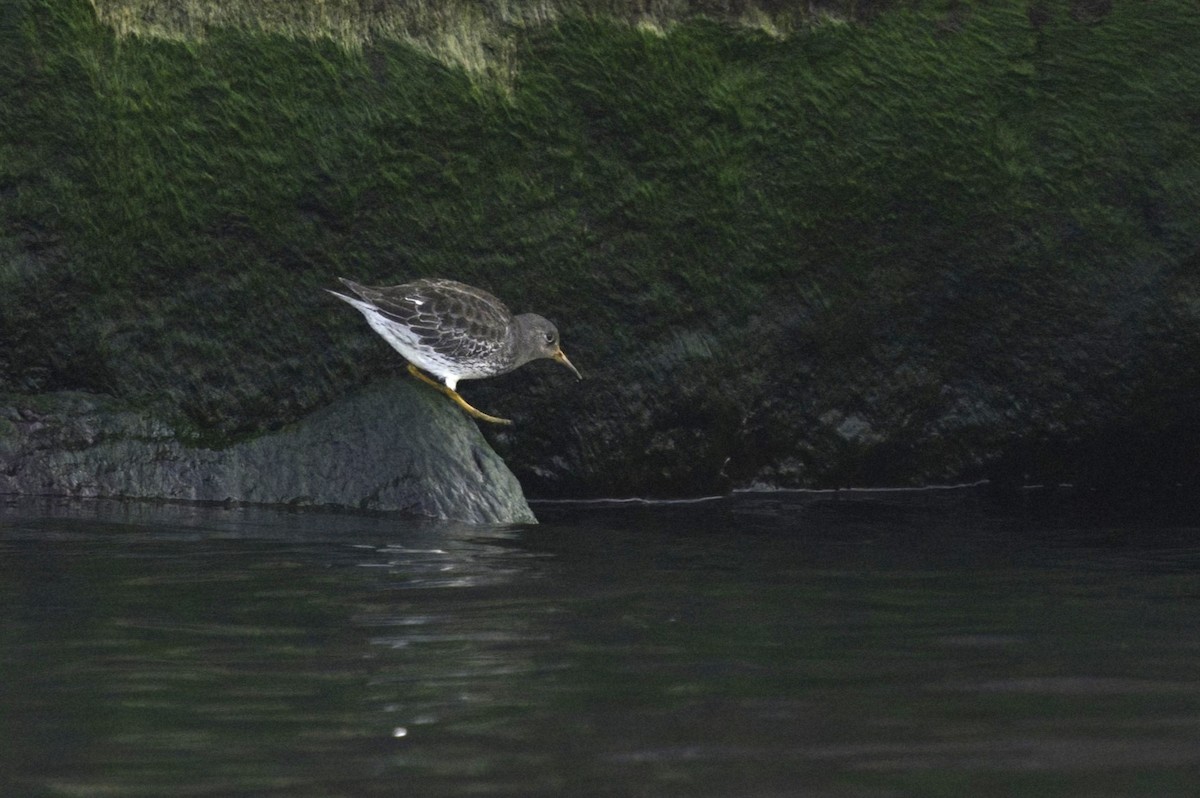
(455, 332)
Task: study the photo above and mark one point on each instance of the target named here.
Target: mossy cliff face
(932, 246)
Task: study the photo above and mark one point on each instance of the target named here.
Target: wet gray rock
(395, 446)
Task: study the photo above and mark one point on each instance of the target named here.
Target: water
(763, 645)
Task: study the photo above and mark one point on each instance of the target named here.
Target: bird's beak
(562, 358)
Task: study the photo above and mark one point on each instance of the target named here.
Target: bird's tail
(364, 306)
(353, 300)
(353, 286)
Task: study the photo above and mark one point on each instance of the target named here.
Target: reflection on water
(761, 645)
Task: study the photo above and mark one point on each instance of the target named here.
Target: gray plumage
(454, 331)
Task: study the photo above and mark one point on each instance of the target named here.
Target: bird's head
(540, 338)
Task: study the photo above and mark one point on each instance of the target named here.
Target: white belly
(407, 343)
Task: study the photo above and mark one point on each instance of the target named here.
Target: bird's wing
(459, 318)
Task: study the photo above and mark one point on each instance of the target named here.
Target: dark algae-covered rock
(396, 446)
(929, 243)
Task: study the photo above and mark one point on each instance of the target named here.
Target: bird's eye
(550, 337)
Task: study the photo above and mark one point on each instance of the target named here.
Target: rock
(394, 446)
(1100, 392)
(804, 261)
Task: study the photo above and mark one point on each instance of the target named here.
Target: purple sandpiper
(455, 332)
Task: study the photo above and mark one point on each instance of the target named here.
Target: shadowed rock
(395, 446)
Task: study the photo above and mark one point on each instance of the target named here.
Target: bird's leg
(458, 400)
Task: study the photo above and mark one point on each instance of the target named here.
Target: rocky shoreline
(936, 245)
(394, 447)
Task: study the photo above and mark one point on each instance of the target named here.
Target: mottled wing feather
(458, 320)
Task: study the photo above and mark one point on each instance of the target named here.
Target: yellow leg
(458, 400)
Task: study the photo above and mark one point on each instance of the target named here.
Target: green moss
(171, 207)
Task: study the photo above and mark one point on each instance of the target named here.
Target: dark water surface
(762, 645)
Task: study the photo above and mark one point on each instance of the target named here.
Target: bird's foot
(458, 400)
